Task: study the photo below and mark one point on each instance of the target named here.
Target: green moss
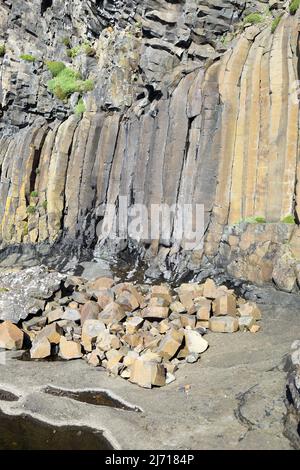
(74, 52)
(253, 18)
(66, 41)
(45, 205)
(34, 194)
(2, 50)
(67, 82)
(294, 5)
(25, 229)
(88, 50)
(3, 290)
(288, 219)
(55, 67)
(80, 107)
(254, 220)
(275, 23)
(31, 210)
(28, 57)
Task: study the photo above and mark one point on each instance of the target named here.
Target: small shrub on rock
(253, 18)
(2, 50)
(28, 57)
(67, 82)
(55, 67)
(294, 5)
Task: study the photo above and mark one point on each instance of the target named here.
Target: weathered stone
(187, 301)
(69, 349)
(114, 359)
(224, 324)
(188, 320)
(163, 326)
(163, 292)
(225, 305)
(210, 290)
(158, 302)
(194, 342)
(254, 328)
(89, 311)
(111, 313)
(11, 337)
(146, 374)
(24, 292)
(170, 344)
(128, 301)
(250, 309)
(133, 325)
(192, 358)
(90, 331)
(177, 307)
(101, 283)
(71, 314)
(105, 297)
(203, 306)
(41, 348)
(93, 358)
(52, 332)
(54, 315)
(245, 323)
(130, 358)
(155, 312)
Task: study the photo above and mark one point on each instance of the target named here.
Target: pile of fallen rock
(139, 332)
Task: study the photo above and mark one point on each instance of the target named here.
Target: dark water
(26, 433)
(8, 396)
(91, 397)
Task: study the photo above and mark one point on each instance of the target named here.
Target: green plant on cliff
(74, 52)
(34, 194)
(253, 18)
(67, 82)
(55, 67)
(28, 57)
(45, 205)
(31, 210)
(66, 41)
(256, 219)
(294, 5)
(2, 50)
(288, 219)
(275, 23)
(3, 290)
(25, 229)
(80, 107)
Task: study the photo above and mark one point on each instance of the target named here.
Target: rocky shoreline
(141, 332)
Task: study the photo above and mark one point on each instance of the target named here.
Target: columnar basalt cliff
(191, 102)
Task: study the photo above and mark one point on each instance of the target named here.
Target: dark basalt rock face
(180, 112)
